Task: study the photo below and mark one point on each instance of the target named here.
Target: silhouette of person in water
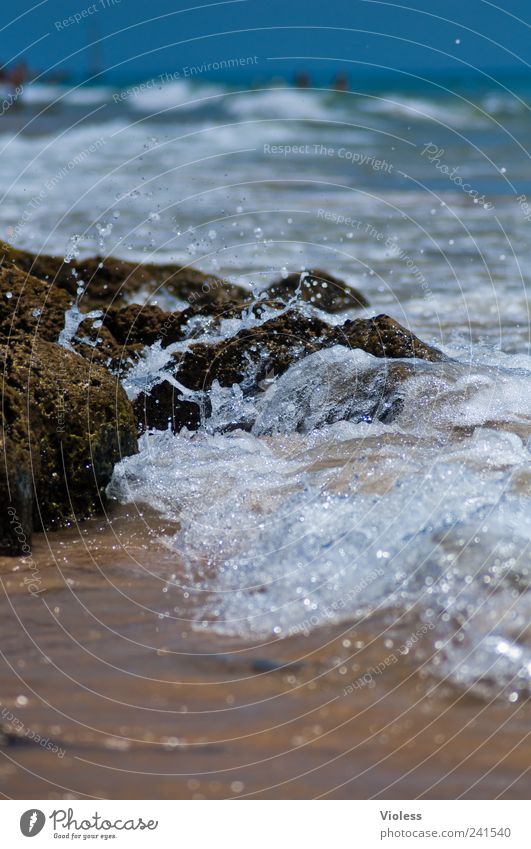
(302, 79)
(340, 82)
(12, 82)
(18, 75)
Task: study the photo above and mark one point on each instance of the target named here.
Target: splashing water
(324, 513)
(73, 316)
(347, 486)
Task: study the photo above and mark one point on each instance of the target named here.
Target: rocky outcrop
(111, 281)
(245, 359)
(108, 280)
(29, 307)
(116, 340)
(252, 353)
(65, 418)
(65, 423)
(382, 336)
(319, 288)
(264, 351)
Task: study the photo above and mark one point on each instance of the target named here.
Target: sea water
(299, 505)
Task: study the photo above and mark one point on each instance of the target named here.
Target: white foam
(319, 522)
(448, 112)
(279, 103)
(164, 96)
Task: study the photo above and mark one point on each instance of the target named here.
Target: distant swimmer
(18, 75)
(302, 79)
(340, 82)
(11, 86)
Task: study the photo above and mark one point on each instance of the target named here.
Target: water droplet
(72, 250)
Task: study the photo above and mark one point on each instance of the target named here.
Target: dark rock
(321, 289)
(245, 359)
(112, 281)
(16, 476)
(141, 323)
(165, 406)
(125, 331)
(196, 320)
(29, 307)
(117, 339)
(97, 345)
(268, 350)
(34, 307)
(382, 336)
(65, 424)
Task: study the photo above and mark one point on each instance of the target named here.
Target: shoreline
(198, 715)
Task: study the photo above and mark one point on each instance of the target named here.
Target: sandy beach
(140, 706)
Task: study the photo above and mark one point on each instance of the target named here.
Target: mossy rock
(109, 280)
(382, 336)
(321, 289)
(29, 307)
(245, 359)
(266, 350)
(66, 423)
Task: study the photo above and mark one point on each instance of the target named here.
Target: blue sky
(136, 38)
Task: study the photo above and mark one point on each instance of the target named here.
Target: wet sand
(142, 705)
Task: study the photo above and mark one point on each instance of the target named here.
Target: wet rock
(166, 407)
(141, 323)
(16, 477)
(118, 338)
(120, 335)
(244, 359)
(319, 288)
(196, 320)
(29, 307)
(98, 345)
(382, 336)
(255, 355)
(113, 281)
(65, 424)
(330, 386)
(252, 353)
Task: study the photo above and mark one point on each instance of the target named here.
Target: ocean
(310, 516)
